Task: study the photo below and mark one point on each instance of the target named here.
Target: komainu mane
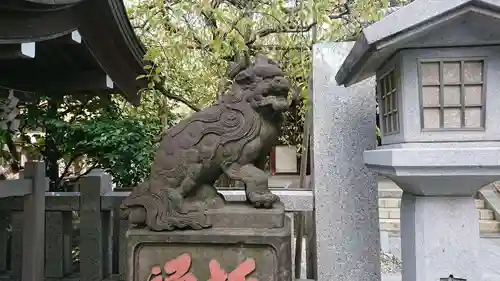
(232, 137)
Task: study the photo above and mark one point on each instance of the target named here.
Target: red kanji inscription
(239, 274)
(155, 274)
(176, 269)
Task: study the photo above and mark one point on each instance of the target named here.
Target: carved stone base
(243, 243)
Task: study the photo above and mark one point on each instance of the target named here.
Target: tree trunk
(51, 152)
(15, 164)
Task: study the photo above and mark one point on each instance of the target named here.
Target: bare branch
(167, 93)
(79, 107)
(233, 26)
(346, 12)
(256, 46)
(16, 158)
(193, 32)
(281, 48)
(240, 4)
(145, 22)
(291, 28)
(267, 31)
(66, 168)
(210, 19)
(93, 166)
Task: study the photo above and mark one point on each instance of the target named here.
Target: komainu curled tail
(161, 211)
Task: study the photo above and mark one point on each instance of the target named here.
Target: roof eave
(359, 53)
(54, 2)
(122, 64)
(352, 71)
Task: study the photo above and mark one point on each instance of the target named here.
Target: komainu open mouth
(280, 103)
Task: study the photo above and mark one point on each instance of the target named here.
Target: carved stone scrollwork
(233, 136)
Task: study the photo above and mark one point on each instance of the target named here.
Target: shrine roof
(70, 46)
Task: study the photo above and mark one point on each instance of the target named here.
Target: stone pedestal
(245, 242)
(439, 238)
(345, 191)
(439, 221)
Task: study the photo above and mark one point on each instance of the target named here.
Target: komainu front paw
(262, 199)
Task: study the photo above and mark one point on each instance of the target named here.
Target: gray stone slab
(238, 215)
(107, 225)
(462, 171)
(34, 223)
(11, 188)
(439, 238)
(294, 200)
(489, 254)
(54, 245)
(398, 277)
(123, 226)
(348, 239)
(310, 249)
(489, 258)
(491, 198)
(68, 242)
(4, 239)
(384, 240)
(230, 247)
(55, 201)
(291, 218)
(93, 260)
(16, 254)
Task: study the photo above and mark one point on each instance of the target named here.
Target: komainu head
(263, 85)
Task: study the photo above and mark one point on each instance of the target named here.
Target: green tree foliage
(95, 132)
(192, 42)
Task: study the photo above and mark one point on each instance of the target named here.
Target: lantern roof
(421, 24)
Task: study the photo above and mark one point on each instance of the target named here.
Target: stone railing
(101, 239)
(29, 190)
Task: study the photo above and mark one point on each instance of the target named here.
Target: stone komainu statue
(233, 136)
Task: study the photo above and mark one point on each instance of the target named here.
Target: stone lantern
(437, 67)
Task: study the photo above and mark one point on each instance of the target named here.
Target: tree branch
(282, 48)
(233, 26)
(80, 108)
(210, 20)
(16, 158)
(145, 22)
(293, 28)
(193, 32)
(256, 46)
(167, 93)
(66, 168)
(75, 179)
(267, 31)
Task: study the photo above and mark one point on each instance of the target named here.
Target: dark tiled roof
(79, 46)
